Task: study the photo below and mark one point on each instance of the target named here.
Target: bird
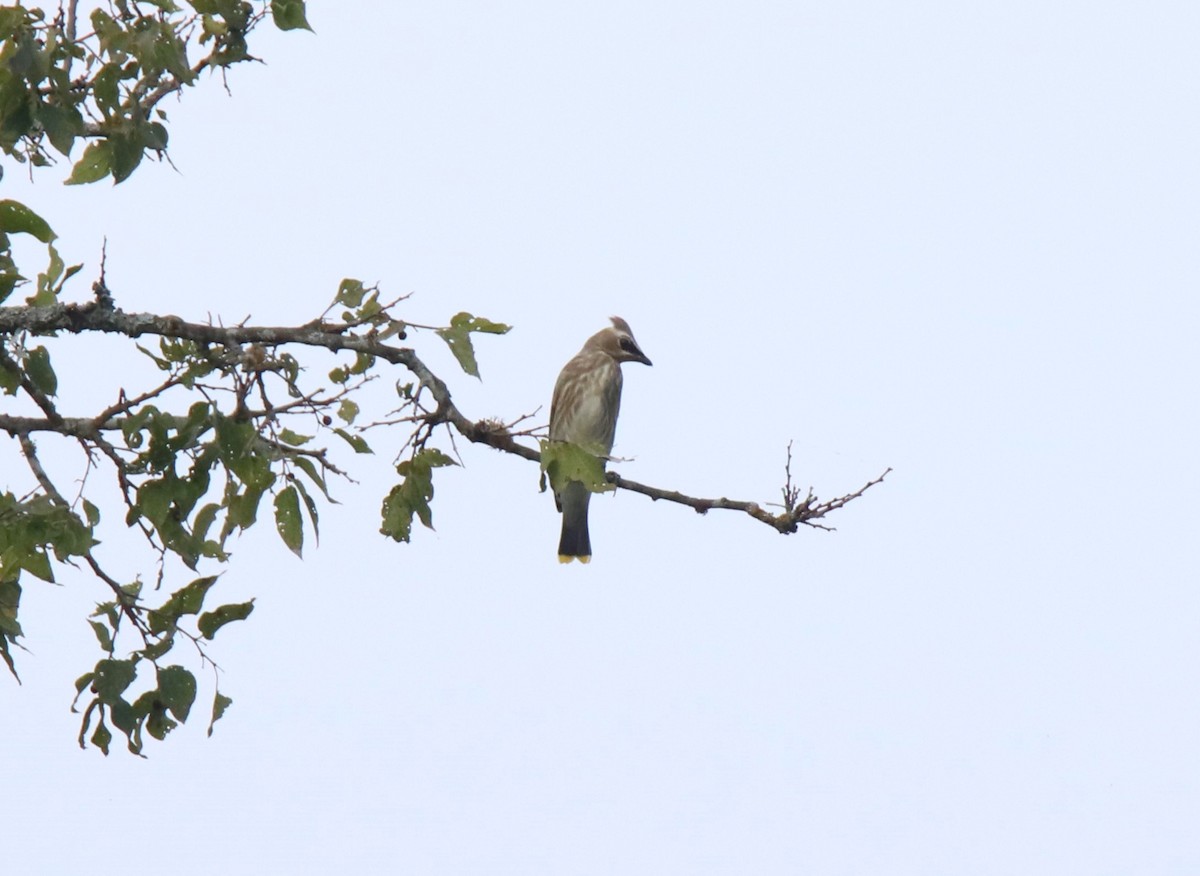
(587, 399)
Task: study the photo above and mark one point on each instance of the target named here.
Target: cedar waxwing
(587, 399)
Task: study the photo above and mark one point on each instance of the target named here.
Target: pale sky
(957, 239)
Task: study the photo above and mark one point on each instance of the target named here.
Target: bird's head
(618, 342)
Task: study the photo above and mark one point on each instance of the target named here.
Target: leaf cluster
(234, 421)
(101, 80)
(33, 531)
(159, 709)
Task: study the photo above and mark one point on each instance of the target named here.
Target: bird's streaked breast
(586, 400)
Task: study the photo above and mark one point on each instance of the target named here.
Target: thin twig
(128, 607)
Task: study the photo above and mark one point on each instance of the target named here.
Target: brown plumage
(587, 399)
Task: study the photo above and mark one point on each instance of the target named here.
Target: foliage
(59, 84)
(196, 456)
(235, 417)
(194, 477)
(563, 462)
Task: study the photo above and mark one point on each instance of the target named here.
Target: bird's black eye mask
(629, 346)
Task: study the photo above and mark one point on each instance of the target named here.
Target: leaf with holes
(458, 338)
(15, 217)
(288, 521)
(211, 621)
(412, 495)
(177, 690)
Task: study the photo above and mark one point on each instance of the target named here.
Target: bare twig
(788, 522)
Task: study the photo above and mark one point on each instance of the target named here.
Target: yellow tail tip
(566, 558)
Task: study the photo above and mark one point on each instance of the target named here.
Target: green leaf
(162, 364)
(102, 635)
(462, 348)
(108, 610)
(211, 621)
(565, 462)
(10, 629)
(287, 436)
(177, 690)
(16, 218)
(241, 511)
(37, 562)
(111, 678)
(83, 681)
(154, 136)
(235, 439)
(204, 520)
(62, 125)
(211, 26)
(101, 737)
(4, 653)
(288, 520)
(309, 468)
(11, 19)
(157, 650)
(186, 600)
(348, 410)
(412, 495)
(479, 324)
(95, 164)
(254, 471)
(289, 14)
(157, 724)
(128, 720)
(10, 599)
(362, 363)
(356, 441)
(22, 60)
(41, 374)
(8, 278)
(47, 282)
(311, 506)
(350, 292)
(10, 379)
(127, 154)
(87, 719)
(176, 350)
(458, 337)
(154, 499)
(106, 84)
(220, 704)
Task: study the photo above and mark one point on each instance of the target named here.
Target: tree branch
(99, 316)
(807, 512)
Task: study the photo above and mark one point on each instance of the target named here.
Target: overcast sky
(957, 239)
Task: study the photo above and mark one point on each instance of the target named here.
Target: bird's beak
(635, 354)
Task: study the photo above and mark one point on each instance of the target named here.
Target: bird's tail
(574, 542)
